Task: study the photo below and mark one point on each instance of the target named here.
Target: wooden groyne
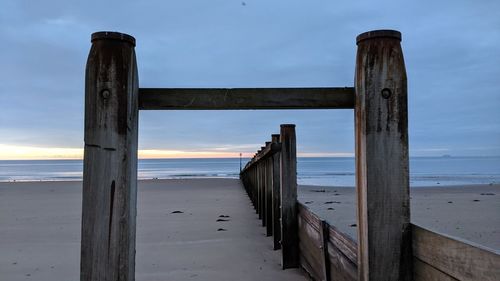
(325, 252)
(388, 245)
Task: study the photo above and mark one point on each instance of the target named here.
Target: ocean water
(324, 171)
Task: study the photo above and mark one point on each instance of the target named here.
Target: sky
(451, 51)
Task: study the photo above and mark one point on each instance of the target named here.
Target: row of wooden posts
(270, 179)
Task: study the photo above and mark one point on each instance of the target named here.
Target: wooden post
(382, 184)
(276, 196)
(262, 190)
(325, 257)
(254, 190)
(259, 189)
(269, 197)
(110, 159)
(289, 211)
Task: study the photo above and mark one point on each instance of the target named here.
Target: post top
(388, 33)
(112, 36)
(275, 135)
(287, 125)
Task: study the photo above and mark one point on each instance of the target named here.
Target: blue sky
(451, 51)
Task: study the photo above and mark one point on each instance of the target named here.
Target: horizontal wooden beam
(245, 98)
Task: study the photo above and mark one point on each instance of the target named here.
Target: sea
(321, 171)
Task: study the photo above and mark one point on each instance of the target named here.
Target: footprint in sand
(331, 202)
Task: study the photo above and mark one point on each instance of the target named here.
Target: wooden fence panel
(458, 259)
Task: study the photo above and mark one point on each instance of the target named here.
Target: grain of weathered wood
(245, 98)
(289, 222)
(459, 259)
(310, 247)
(342, 256)
(341, 267)
(110, 160)
(276, 195)
(425, 272)
(345, 244)
(382, 158)
(306, 214)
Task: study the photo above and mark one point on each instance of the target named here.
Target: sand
(177, 237)
(469, 212)
(177, 233)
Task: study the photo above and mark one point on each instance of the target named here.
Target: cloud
(450, 47)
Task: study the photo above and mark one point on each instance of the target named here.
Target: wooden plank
(110, 160)
(307, 215)
(382, 180)
(276, 196)
(425, 272)
(289, 221)
(344, 243)
(341, 267)
(459, 259)
(341, 249)
(310, 247)
(245, 98)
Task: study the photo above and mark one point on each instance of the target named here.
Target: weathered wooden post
(269, 194)
(384, 240)
(262, 189)
(259, 188)
(289, 211)
(110, 159)
(276, 195)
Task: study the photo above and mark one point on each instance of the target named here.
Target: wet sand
(469, 212)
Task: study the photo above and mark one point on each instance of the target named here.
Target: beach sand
(177, 237)
(177, 233)
(469, 212)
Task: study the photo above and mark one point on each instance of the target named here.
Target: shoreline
(460, 186)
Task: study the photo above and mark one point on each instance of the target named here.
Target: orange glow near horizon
(13, 152)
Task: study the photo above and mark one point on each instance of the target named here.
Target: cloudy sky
(451, 50)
